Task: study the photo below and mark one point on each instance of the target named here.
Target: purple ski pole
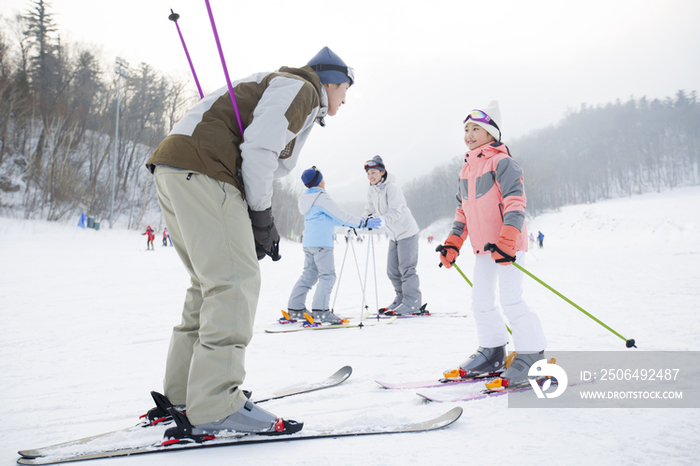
(223, 64)
(174, 17)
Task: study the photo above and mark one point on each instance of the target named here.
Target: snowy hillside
(87, 317)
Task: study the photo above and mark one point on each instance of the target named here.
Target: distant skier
(540, 239)
(149, 239)
(166, 237)
(321, 215)
(385, 201)
(494, 212)
(532, 240)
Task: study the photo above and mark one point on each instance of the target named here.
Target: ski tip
(447, 419)
(455, 412)
(345, 371)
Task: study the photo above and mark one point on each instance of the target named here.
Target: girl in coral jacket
(491, 210)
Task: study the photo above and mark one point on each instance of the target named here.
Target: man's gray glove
(267, 240)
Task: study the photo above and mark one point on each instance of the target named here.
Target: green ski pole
(629, 343)
(454, 264)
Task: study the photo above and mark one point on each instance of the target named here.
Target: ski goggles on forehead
(481, 117)
(373, 164)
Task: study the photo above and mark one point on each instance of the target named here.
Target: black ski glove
(267, 240)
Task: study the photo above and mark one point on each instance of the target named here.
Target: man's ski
(339, 377)
(336, 379)
(443, 382)
(299, 327)
(243, 439)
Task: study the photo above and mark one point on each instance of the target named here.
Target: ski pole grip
(442, 249)
(275, 253)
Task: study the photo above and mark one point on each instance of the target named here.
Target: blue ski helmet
(331, 68)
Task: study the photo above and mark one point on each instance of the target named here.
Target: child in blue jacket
(321, 216)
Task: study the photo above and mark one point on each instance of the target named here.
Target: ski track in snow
(87, 317)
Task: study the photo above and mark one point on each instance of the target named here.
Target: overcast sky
(420, 66)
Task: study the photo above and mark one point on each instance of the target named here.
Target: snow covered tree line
(57, 125)
(592, 154)
(57, 122)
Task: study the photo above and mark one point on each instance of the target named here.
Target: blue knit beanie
(331, 68)
(311, 177)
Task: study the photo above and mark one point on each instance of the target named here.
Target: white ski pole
(359, 274)
(364, 286)
(340, 276)
(374, 266)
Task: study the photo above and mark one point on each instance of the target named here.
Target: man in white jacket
(386, 201)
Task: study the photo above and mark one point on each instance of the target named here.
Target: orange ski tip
(345, 321)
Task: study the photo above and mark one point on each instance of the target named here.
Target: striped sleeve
(285, 108)
(509, 177)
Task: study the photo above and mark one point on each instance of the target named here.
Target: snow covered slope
(87, 316)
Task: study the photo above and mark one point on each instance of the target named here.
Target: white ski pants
(211, 232)
(528, 335)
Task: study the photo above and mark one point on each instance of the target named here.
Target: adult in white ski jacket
(386, 201)
(214, 183)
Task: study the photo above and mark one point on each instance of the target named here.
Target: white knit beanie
(493, 111)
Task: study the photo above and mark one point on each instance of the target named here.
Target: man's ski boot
(485, 362)
(160, 413)
(250, 419)
(516, 375)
